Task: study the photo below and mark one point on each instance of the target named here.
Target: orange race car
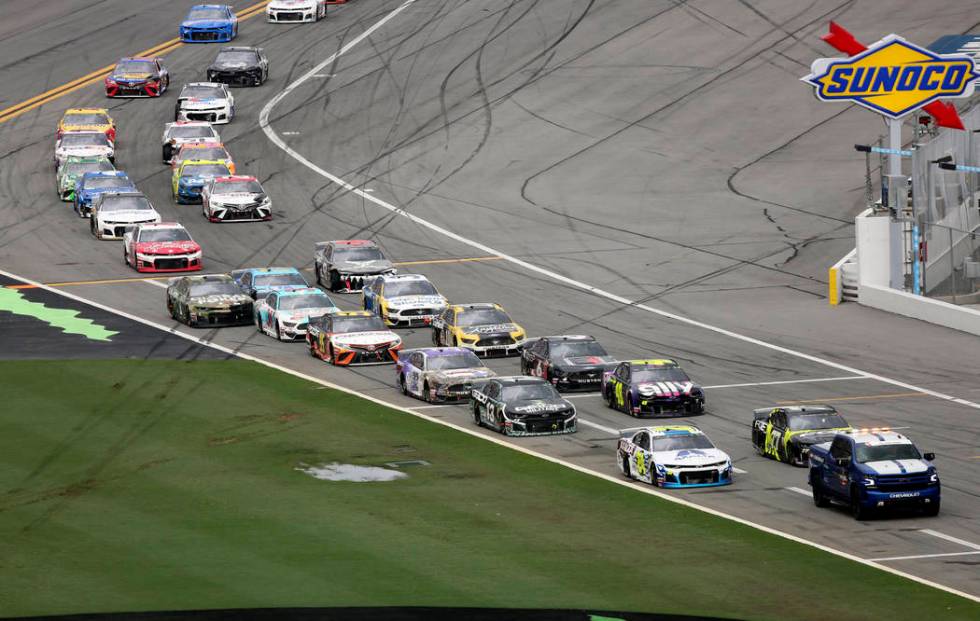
(87, 119)
(352, 337)
(212, 151)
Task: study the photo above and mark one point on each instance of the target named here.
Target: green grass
(131, 485)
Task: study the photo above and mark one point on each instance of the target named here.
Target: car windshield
(164, 235)
(86, 118)
(298, 302)
(193, 131)
(482, 317)
(124, 203)
(681, 442)
(136, 66)
(102, 183)
(202, 92)
(215, 288)
(231, 187)
(462, 360)
(238, 56)
(207, 13)
(527, 392)
(80, 168)
(653, 374)
(85, 140)
(204, 153)
(816, 421)
(868, 452)
(278, 280)
(343, 325)
(398, 288)
(574, 349)
(357, 254)
(204, 170)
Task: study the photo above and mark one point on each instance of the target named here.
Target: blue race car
(259, 281)
(209, 23)
(91, 184)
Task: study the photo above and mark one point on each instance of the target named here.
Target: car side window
(247, 279)
(417, 360)
(271, 300)
(642, 440)
(450, 317)
(840, 448)
(493, 390)
(623, 372)
(540, 348)
(779, 420)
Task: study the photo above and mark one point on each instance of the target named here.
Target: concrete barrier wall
(920, 307)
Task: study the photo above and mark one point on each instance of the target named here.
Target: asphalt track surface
(661, 151)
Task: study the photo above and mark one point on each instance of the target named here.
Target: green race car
(72, 170)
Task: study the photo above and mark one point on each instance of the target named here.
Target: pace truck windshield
(866, 452)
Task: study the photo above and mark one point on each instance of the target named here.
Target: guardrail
(842, 279)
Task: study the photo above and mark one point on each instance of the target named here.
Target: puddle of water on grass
(350, 472)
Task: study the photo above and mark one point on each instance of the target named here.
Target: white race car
(440, 373)
(114, 212)
(292, 11)
(673, 456)
(403, 300)
(205, 101)
(286, 314)
(83, 144)
(183, 132)
(235, 199)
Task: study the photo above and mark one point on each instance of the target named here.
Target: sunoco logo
(893, 77)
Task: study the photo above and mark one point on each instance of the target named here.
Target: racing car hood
(181, 141)
(898, 466)
(87, 151)
(666, 389)
(205, 23)
(689, 457)
(199, 103)
(604, 362)
(264, 289)
(232, 64)
(126, 216)
(238, 198)
(499, 328)
(454, 375)
(307, 313)
(291, 4)
(171, 247)
(819, 436)
(222, 300)
(379, 337)
(537, 406)
(413, 301)
(132, 77)
(363, 267)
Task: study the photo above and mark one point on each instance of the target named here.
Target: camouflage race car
(438, 374)
(651, 387)
(786, 433)
(353, 337)
(208, 301)
(522, 406)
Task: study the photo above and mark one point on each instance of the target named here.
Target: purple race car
(440, 373)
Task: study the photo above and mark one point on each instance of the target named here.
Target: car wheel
(435, 337)
(170, 308)
(626, 467)
(426, 396)
(476, 414)
(278, 332)
(858, 511)
(932, 509)
(330, 354)
(402, 385)
(608, 399)
(819, 498)
(316, 271)
(334, 280)
(258, 324)
(628, 404)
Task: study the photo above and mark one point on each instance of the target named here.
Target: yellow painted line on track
(891, 395)
(69, 87)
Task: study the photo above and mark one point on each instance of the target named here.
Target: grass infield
(156, 485)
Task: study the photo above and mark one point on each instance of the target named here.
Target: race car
(403, 300)
(786, 433)
(212, 151)
(568, 362)
(91, 184)
(179, 133)
(205, 101)
(87, 120)
(209, 23)
(235, 199)
(353, 337)
(486, 329)
(257, 282)
(208, 301)
(286, 314)
(644, 387)
(345, 265)
(83, 144)
(522, 406)
(292, 11)
(74, 167)
(239, 66)
(161, 247)
(113, 212)
(438, 374)
(137, 77)
(673, 456)
(189, 179)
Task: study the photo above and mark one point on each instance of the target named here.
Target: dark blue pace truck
(873, 469)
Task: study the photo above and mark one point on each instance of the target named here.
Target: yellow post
(833, 285)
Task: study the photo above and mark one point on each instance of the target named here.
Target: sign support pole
(895, 142)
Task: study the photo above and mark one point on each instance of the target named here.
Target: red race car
(137, 77)
(161, 247)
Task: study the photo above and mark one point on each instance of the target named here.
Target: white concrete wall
(919, 307)
(879, 249)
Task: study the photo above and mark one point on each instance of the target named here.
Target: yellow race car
(403, 300)
(87, 119)
(189, 178)
(486, 329)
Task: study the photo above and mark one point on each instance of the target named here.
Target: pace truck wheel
(858, 511)
(819, 498)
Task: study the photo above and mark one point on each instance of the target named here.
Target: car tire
(626, 467)
(258, 324)
(608, 399)
(932, 509)
(435, 337)
(330, 355)
(402, 385)
(170, 308)
(334, 280)
(316, 271)
(819, 498)
(278, 331)
(425, 392)
(476, 414)
(858, 511)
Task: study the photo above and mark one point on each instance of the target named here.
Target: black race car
(239, 66)
(786, 433)
(208, 301)
(522, 406)
(568, 362)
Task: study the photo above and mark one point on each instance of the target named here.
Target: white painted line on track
(278, 141)
(609, 430)
(430, 407)
(798, 381)
(156, 283)
(739, 470)
(799, 490)
(962, 542)
(918, 556)
(596, 395)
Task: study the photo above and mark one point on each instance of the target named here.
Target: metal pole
(952, 266)
(895, 142)
(868, 190)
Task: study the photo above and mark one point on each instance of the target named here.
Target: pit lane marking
(799, 490)
(957, 540)
(889, 395)
(797, 381)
